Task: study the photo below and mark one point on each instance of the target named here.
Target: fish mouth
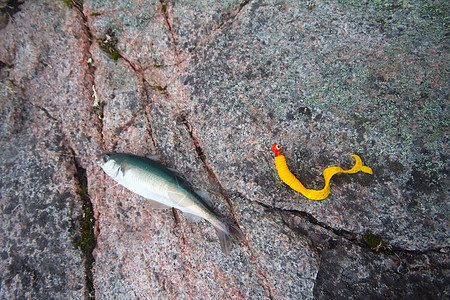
(101, 159)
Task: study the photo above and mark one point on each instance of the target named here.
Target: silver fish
(153, 181)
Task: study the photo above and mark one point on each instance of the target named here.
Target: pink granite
(209, 86)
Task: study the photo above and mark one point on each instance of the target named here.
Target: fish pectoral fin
(157, 205)
(124, 166)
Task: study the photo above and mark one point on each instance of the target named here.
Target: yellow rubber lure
(295, 184)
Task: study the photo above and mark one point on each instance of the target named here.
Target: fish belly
(159, 189)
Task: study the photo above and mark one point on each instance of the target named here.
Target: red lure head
(277, 149)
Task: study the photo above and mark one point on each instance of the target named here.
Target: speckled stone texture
(209, 86)
(44, 111)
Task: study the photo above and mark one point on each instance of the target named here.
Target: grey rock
(210, 86)
(39, 212)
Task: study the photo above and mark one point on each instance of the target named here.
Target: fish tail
(227, 233)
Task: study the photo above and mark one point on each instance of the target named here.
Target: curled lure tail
(295, 184)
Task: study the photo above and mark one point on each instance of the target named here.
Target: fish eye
(105, 157)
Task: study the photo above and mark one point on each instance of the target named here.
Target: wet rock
(210, 86)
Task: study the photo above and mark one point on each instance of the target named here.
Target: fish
(153, 181)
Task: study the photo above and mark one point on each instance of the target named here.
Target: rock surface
(210, 86)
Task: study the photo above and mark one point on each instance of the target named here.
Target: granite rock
(209, 86)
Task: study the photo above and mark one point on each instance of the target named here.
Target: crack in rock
(46, 112)
(87, 241)
(233, 17)
(201, 154)
(166, 18)
(355, 238)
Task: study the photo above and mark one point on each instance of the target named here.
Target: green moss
(111, 51)
(108, 44)
(68, 2)
(115, 54)
(73, 3)
(376, 243)
(373, 240)
(86, 242)
(243, 3)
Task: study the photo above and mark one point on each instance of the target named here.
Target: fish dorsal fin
(175, 171)
(205, 196)
(124, 166)
(155, 157)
